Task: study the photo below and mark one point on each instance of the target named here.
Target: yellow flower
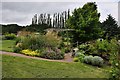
(29, 52)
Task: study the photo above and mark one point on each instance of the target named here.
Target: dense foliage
(46, 45)
(110, 27)
(99, 47)
(37, 28)
(14, 28)
(115, 60)
(11, 28)
(52, 54)
(85, 21)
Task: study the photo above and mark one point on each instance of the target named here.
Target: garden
(93, 45)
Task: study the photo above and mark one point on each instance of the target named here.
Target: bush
(100, 48)
(76, 59)
(88, 59)
(115, 60)
(9, 36)
(83, 46)
(102, 45)
(36, 42)
(81, 57)
(50, 54)
(33, 42)
(79, 53)
(17, 49)
(18, 40)
(45, 44)
(67, 49)
(97, 61)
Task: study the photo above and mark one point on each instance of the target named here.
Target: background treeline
(14, 28)
(11, 28)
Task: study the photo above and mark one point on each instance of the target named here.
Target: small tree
(110, 27)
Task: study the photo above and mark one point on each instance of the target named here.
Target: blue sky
(21, 11)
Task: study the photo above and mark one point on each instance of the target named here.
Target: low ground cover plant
(76, 59)
(30, 52)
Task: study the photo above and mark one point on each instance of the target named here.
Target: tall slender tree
(54, 20)
(62, 20)
(35, 17)
(41, 18)
(58, 20)
(68, 13)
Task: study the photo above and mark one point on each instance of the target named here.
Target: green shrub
(32, 42)
(81, 57)
(88, 59)
(102, 46)
(97, 61)
(17, 49)
(67, 49)
(83, 47)
(36, 42)
(45, 44)
(79, 53)
(115, 60)
(18, 40)
(76, 59)
(9, 36)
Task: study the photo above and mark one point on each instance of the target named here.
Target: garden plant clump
(30, 52)
(95, 61)
(76, 59)
(80, 55)
(52, 54)
(45, 45)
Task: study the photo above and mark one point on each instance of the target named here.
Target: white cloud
(22, 12)
(60, 0)
(106, 8)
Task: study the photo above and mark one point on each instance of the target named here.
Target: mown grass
(7, 45)
(19, 67)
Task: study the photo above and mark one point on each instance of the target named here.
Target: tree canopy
(110, 27)
(85, 21)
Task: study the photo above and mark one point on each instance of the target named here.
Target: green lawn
(19, 67)
(7, 45)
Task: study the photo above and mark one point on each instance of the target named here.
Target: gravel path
(66, 59)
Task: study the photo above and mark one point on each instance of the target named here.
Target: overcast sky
(22, 12)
